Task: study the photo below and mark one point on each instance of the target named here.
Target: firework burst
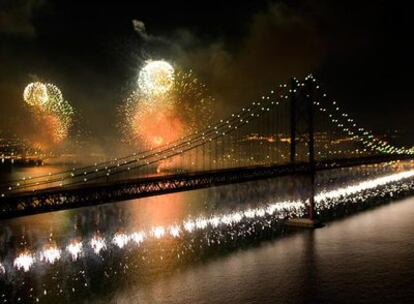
(156, 78)
(52, 113)
(180, 106)
(35, 94)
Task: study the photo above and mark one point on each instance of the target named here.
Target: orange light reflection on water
(162, 210)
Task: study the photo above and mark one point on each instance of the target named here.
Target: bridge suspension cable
(187, 143)
(348, 126)
(224, 143)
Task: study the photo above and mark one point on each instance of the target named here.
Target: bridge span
(295, 130)
(82, 195)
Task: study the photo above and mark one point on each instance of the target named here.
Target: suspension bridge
(294, 130)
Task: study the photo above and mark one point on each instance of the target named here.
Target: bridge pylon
(302, 139)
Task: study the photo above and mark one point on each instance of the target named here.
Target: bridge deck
(82, 195)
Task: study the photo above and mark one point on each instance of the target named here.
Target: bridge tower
(302, 136)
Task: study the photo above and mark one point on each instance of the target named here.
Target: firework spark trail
(358, 192)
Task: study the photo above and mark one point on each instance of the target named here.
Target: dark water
(366, 258)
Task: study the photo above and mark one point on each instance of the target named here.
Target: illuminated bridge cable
(169, 153)
(175, 146)
(147, 154)
(349, 127)
(152, 151)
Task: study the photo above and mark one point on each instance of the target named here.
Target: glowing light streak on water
(24, 261)
(158, 232)
(363, 186)
(277, 210)
(175, 231)
(138, 237)
(75, 249)
(98, 244)
(120, 240)
(50, 254)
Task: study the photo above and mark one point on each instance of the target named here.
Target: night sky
(360, 50)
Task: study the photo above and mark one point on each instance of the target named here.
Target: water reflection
(81, 253)
(368, 258)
